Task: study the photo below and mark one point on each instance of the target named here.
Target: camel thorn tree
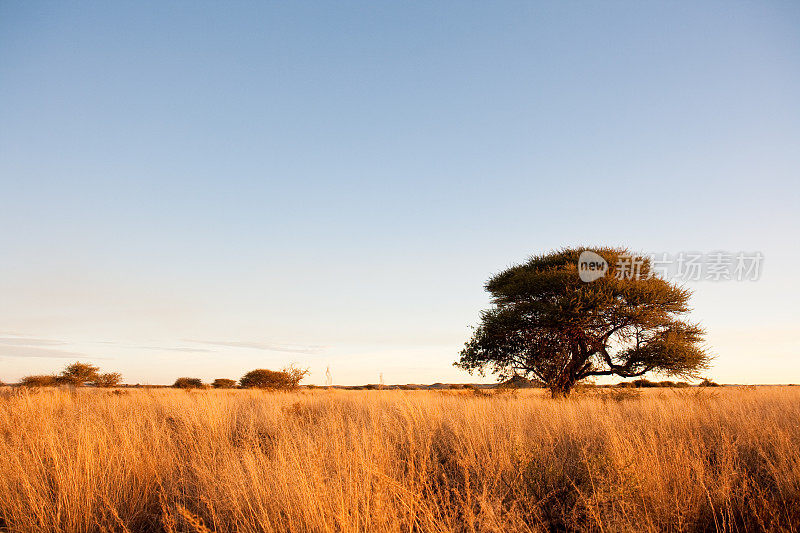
(547, 322)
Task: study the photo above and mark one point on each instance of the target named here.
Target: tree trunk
(561, 388)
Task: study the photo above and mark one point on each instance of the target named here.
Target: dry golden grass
(166, 460)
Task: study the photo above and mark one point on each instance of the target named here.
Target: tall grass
(167, 460)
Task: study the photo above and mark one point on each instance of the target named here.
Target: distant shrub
(674, 384)
(618, 395)
(477, 391)
(44, 380)
(646, 384)
(708, 383)
(107, 380)
(222, 383)
(262, 378)
(78, 374)
(518, 382)
(188, 383)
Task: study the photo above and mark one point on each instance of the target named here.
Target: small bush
(618, 395)
(262, 378)
(188, 383)
(708, 383)
(673, 384)
(516, 382)
(222, 383)
(108, 380)
(43, 380)
(646, 384)
(477, 391)
(78, 374)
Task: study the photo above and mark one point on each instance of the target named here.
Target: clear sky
(200, 189)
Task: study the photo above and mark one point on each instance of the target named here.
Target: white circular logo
(591, 266)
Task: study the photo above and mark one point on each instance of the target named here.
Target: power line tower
(328, 378)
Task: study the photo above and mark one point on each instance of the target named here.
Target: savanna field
(697, 459)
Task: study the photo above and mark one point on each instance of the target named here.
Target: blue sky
(204, 188)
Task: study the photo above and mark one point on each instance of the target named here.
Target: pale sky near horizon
(200, 189)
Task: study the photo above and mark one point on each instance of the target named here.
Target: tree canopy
(546, 322)
(77, 374)
(262, 378)
(188, 383)
(223, 383)
(108, 379)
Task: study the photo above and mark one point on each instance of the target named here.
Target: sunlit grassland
(326, 460)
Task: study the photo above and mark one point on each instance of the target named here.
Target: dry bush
(108, 380)
(39, 380)
(222, 383)
(159, 460)
(614, 394)
(78, 374)
(262, 378)
(188, 383)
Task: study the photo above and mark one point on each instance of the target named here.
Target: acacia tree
(222, 383)
(547, 323)
(39, 380)
(188, 383)
(262, 378)
(108, 379)
(77, 374)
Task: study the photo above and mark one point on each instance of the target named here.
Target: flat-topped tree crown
(546, 322)
(77, 374)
